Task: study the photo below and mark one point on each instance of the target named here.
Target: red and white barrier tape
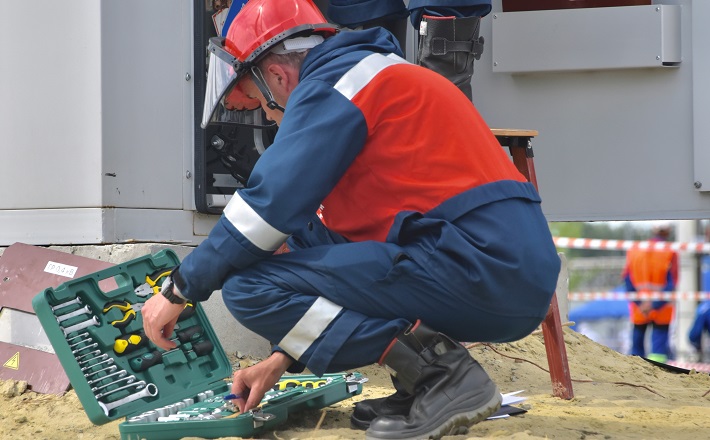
(624, 245)
(634, 296)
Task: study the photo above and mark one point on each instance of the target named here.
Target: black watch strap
(170, 295)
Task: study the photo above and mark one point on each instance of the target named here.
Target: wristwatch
(168, 292)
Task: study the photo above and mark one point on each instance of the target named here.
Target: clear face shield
(225, 101)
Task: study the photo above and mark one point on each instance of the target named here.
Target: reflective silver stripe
(252, 226)
(362, 73)
(309, 327)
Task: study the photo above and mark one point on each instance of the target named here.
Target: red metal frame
(519, 143)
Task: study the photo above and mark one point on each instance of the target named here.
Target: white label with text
(61, 269)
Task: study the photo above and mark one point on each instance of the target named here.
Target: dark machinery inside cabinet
(224, 153)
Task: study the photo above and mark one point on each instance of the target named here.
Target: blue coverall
(427, 217)
(353, 13)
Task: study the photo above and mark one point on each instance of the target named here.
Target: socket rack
(95, 326)
(210, 414)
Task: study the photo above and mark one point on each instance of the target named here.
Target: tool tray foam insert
(89, 359)
(212, 417)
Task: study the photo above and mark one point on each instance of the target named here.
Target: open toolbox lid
(109, 370)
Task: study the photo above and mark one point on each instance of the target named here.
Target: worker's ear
(282, 76)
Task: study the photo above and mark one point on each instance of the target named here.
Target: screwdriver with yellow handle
(126, 344)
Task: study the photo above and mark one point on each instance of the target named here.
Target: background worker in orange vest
(649, 270)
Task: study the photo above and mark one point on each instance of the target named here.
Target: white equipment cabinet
(96, 122)
(98, 104)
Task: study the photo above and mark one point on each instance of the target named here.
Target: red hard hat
(261, 24)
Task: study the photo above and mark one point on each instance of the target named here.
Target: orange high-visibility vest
(648, 271)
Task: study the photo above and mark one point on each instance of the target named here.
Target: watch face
(167, 284)
(170, 295)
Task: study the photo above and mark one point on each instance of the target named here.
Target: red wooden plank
(24, 272)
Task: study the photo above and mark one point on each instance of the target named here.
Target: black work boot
(367, 410)
(448, 46)
(451, 389)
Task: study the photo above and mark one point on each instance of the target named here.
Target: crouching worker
(408, 226)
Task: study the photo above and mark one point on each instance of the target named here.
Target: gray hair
(293, 59)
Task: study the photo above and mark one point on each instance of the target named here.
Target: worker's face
(253, 94)
(236, 99)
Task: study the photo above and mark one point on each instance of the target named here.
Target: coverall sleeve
(626, 276)
(701, 323)
(320, 135)
(353, 13)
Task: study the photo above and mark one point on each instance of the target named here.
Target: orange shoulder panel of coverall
(648, 271)
(418, 152)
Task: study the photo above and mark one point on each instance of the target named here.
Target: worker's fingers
(167, 331)
(239, 388)
(252, 383)
(165, 343)
(159, 318)
(253, 400)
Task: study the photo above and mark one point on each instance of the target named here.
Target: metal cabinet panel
(586, 39)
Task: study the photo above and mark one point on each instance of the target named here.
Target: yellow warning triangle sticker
(13, 362)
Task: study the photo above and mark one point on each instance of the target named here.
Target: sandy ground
(616, 397)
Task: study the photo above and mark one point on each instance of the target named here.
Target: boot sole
(359, 424)
(452, 424)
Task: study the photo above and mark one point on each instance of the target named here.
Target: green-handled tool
(147, 360)
(189, 334)
(126, 344)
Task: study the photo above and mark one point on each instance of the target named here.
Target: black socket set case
(116, 372)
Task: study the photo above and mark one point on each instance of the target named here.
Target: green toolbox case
(95, 327)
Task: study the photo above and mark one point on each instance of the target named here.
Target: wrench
(81, 335)
(149, 391)
(94, 353)
(109, 361)
(109, 369)
(76, 300)
(82, 311)
(74, 352)
(127, 379)
(100, 357)
(120, 373)
(140, 384)
(82, 325)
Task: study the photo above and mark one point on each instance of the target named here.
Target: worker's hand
(646, 307)
(159, 318)
(250, 384)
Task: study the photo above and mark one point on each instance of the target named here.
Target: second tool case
(96, 330)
